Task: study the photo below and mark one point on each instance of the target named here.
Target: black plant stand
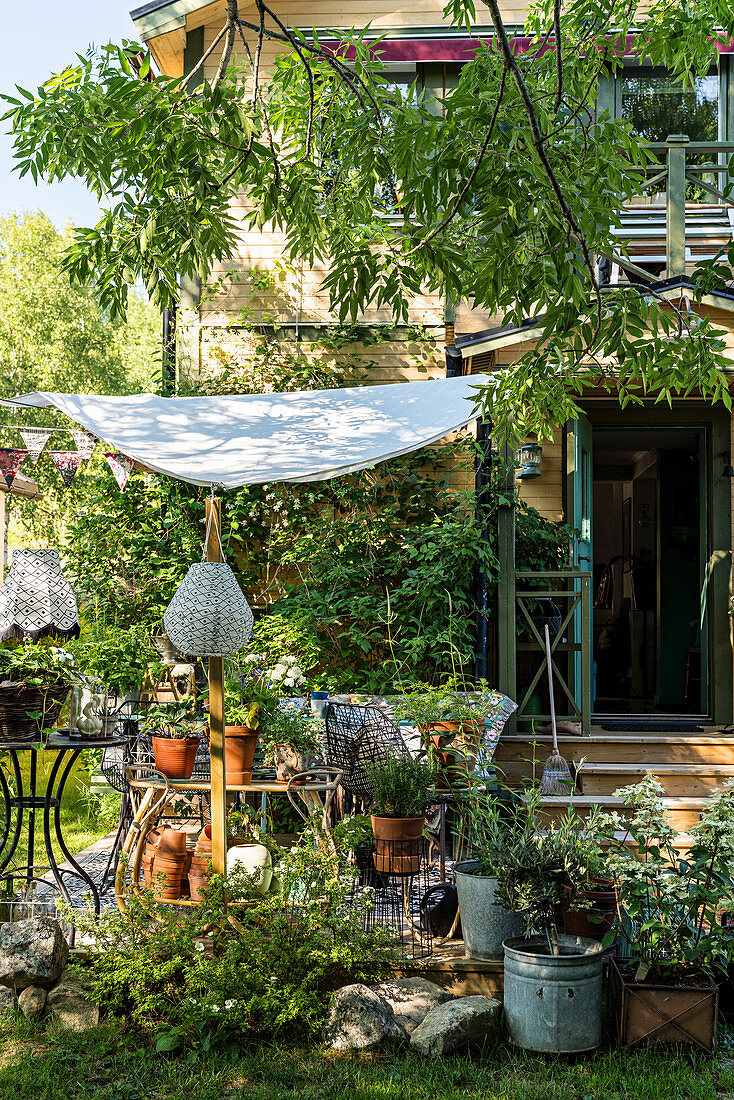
(22, 808)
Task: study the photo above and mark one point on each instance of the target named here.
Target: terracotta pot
(197, 886)
(603, 898)
(204, 840)
(200, 865)
(289, 762)
(167, 875)
(455, 744)
(650, 1013)
(175, 756)
(240, 743)
(172, 842)
(147, 865)
(398, 844)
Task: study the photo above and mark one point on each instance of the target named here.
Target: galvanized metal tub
(553, 1003)
(484, 924)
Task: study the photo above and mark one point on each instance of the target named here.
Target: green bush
(263, 967)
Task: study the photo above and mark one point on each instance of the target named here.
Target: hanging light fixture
(208, 616)
(36, 598)
(529, 459)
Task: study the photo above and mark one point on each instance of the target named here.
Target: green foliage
(400, 786)
(262, 967)
(40, 663)
(128, 552)
(454, 701)
(538, 866)
(671, 902)
(118, 658)
(176, 720)
(292, 726)
(503, 197)
(55, 336)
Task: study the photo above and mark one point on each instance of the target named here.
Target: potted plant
(35, 680)
(552, 981)
(674, 945)
(175, 732)
(400, 788)
(248, 701)
(451, 720)
(291, 739)
(249, 847)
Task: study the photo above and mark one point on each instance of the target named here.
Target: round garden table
(27, 801)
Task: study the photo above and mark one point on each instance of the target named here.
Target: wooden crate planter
(671, 1015)
(18, 701)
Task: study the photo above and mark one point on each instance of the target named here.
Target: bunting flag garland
(35, 440)
(67, 463)
(84, 441)
(121, 466)
(10, 461)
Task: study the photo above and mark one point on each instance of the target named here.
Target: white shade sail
(310, 435)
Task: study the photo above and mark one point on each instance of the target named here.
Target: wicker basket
(19, 700)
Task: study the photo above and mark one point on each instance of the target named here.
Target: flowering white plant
(286, 674)
(671, 903)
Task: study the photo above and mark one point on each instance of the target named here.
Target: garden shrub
(261, 967)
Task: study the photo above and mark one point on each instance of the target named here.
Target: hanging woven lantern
(208, 616)
(36, 598)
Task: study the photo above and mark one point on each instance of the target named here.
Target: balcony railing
(683, 228)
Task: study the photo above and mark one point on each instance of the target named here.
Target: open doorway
(648, 554)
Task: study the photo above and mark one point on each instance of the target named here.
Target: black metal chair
(358, 736)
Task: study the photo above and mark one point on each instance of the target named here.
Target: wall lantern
(528, 460)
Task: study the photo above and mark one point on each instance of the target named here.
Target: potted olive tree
(400, 788)
(552, 981)
(175, 732)
(674, 945)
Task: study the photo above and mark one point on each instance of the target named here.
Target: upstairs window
(658, 105)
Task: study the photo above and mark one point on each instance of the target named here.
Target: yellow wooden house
(643, 647)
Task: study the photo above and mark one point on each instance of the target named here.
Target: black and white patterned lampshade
(208, 616)
(36, 598)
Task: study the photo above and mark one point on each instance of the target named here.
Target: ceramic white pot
(255, 860)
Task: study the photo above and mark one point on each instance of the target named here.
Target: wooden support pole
(218, 801)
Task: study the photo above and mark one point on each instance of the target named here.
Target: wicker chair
(357, 736)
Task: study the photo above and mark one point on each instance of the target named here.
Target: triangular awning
(309, 435)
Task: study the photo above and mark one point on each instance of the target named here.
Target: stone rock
(32, 952)
(465, 1021)
(411, 999)
(70, 1008)
(7, 999)
(32, 1001)
(359, 1018)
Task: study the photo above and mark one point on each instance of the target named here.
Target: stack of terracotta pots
(199, 873)
(170, 863)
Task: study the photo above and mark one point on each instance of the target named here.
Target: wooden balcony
(681, 216)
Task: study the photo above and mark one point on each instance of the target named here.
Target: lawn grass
(109, 1064)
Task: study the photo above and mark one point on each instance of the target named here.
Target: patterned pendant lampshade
(36, 598)
(208, 616)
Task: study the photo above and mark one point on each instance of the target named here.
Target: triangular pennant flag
(10, 460)
(85, 442)
(67, 463)
(121, 466)
(35, 440)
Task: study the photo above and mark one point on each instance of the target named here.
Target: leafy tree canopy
(55, 336)
(505, 197)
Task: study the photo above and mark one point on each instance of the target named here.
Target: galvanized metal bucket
(553, 1003)
(484, 924)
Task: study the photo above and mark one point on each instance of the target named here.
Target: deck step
(713, 749)
(682, 813)
(678, 780)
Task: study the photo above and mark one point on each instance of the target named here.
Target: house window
(658, 105)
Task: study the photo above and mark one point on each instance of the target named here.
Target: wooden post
(676, 205)
(218, 801)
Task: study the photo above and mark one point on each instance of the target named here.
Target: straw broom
(556, 773)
